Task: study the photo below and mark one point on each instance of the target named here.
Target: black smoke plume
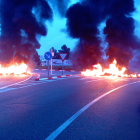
(83, 20)
(21, 22)
(120, 32)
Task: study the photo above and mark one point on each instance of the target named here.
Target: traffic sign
(63, 56)
(48, 56)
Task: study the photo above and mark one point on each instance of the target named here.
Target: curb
(37, 79)
(57, 70)
(49, 78)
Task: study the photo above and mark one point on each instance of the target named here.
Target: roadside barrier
(37, 78)
(49, 78)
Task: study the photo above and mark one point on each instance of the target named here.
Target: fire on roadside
(15, 69)
(112, 71)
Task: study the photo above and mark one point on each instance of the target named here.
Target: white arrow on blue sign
(48, 56)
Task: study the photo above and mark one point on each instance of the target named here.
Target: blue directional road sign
(48, 56)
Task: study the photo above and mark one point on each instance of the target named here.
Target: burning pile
(14, 69)
(104, 28)
(21, 26)
(112, 71)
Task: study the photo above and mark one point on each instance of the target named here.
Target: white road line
(16, 83)
(19, 84)
(93, 80)
(86, 78)
(55, 77)
(121, 80)
(8, 89)
(62, 78)
(42, 79)
(77, 114)
(46, 81)
(29, 84)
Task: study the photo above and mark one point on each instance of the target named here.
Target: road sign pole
(48, 56)
(63, 57)
(62, 67)
(48, 68)
(51, 63)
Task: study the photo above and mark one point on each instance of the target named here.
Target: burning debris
(21, 22)
(14, 70)
(113, 70)
(83, 20)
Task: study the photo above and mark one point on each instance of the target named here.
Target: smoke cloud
(83, 20)
(21, 22)
(120, 32)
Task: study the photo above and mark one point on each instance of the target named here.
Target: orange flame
(14, 69)
(113, 70)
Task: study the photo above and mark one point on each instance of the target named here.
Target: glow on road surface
(77, 114)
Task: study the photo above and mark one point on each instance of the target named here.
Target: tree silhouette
(65, 49)
(55, 53)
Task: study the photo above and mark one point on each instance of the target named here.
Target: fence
(56, 62)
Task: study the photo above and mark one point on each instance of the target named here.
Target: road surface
(72, 108)
(8, 80)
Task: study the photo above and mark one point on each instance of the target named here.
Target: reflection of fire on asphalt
(112, 71)
(15, 69)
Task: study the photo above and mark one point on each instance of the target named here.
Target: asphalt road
(34, 110)
(8, 80)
